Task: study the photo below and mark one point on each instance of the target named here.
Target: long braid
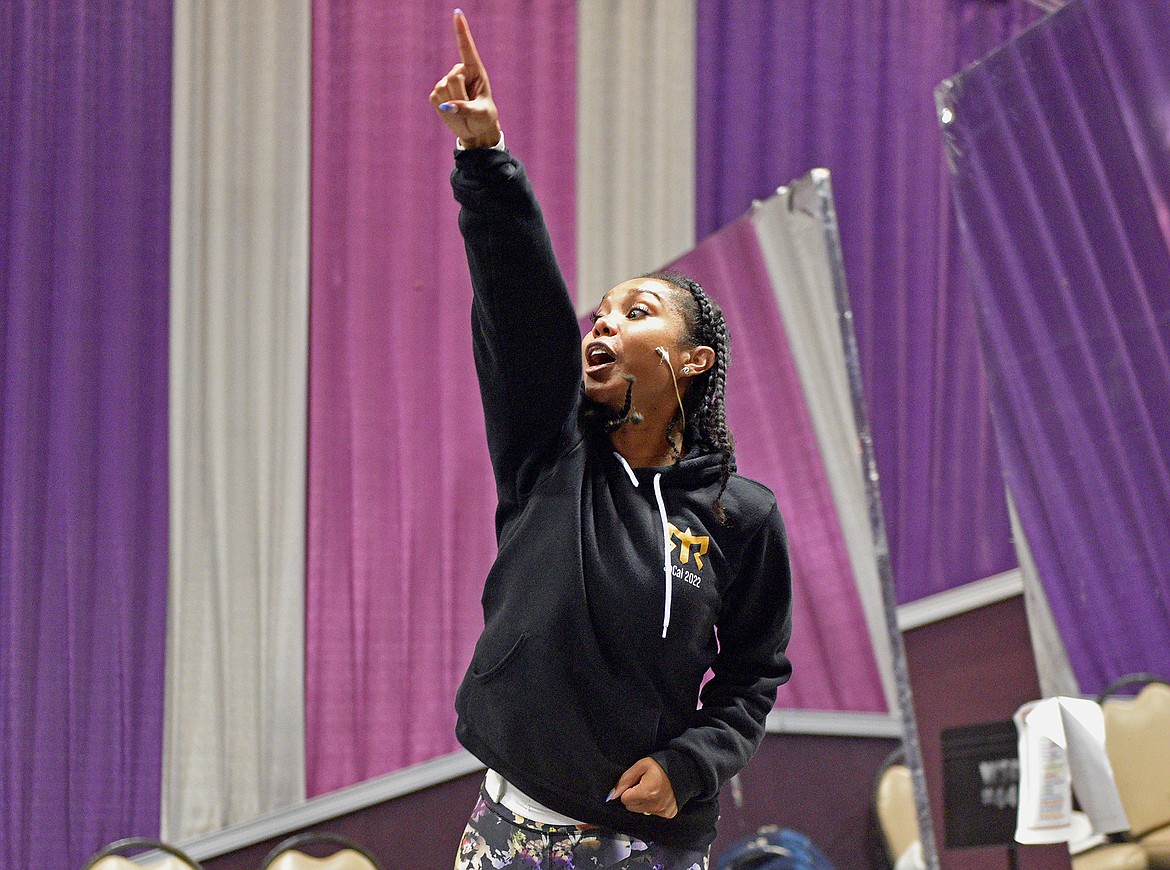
(607, 419)
(705, 402)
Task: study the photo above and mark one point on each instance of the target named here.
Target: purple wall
(785, 784)
(418, 831)
(956, 684)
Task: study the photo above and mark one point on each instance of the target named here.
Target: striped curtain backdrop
(246, 509)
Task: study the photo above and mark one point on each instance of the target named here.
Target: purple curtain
(1061, 172)
(784, 87)
(777, 445)
(84, 182)
(401, 497)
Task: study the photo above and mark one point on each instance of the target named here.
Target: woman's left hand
(645, 788)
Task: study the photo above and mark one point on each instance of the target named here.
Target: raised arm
(525, 333)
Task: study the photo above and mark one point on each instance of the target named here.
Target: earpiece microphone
(661, 351)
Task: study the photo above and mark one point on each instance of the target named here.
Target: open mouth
(597, 356)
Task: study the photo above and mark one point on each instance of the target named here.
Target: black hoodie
(590, 658)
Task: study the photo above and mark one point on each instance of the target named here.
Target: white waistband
(503, 792)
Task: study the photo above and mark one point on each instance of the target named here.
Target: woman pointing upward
(632, 558)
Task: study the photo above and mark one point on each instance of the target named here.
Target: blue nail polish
(446, 107)
(611, 794)
(458, 11)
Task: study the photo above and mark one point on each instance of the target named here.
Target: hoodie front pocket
(495, 669)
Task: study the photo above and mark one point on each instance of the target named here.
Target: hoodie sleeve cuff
(499, 146)
(682, 773)
(482, 168)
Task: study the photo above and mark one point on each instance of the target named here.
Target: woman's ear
(697, 360)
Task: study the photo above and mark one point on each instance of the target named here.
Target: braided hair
(706, 413)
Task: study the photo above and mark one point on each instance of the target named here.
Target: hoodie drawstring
(665, 551)
(629, 471)
(665, 536)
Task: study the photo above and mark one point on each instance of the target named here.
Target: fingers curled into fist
(645, 788)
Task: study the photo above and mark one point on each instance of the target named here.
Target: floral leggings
(496, 838)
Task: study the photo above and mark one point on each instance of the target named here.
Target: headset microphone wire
(682, 411)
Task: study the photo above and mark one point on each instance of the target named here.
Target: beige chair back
(1112, 856)
(117, 862)
(346, 859)
(163, 856)
(896, 811)
(1137, 740)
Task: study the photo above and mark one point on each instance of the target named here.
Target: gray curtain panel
(635, 140)
(234, 733)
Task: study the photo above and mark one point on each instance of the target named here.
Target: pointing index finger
(467, 51)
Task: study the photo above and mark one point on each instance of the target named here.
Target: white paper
(1045, 809)
(1062, 749)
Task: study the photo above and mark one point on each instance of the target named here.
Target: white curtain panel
(792, 238)
(1052, 664)
(234, 733)
(635, 139)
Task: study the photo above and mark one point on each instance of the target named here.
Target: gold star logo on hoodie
(686, 540)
